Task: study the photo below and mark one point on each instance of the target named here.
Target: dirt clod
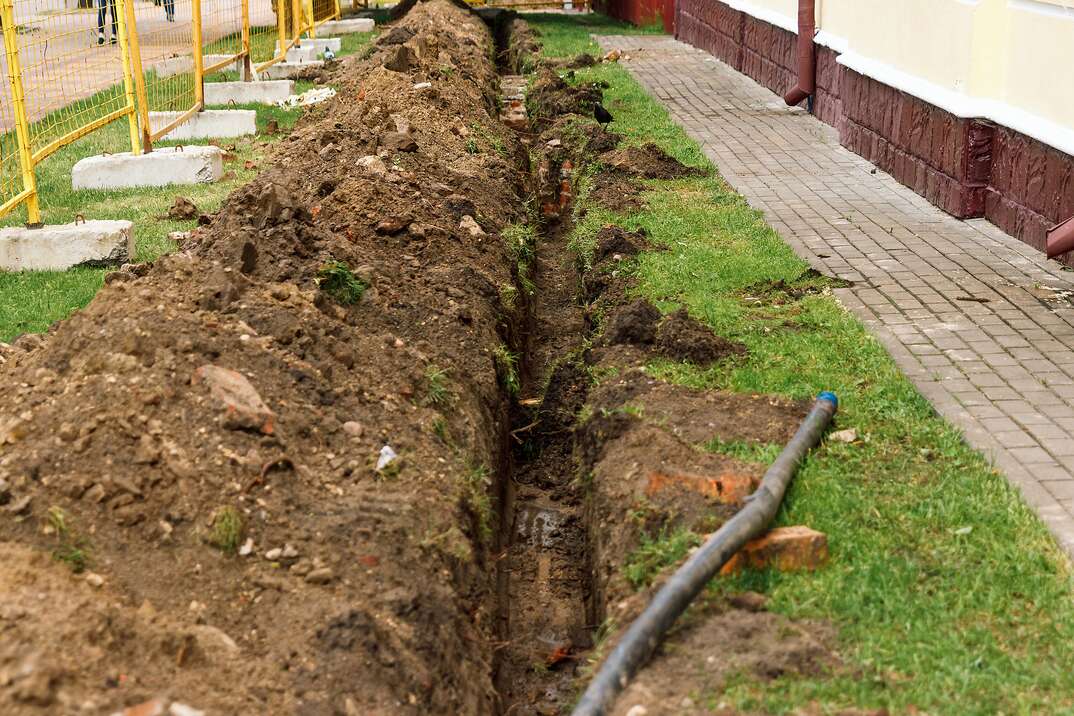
(684, 338)
(183, 209)
(647, 162)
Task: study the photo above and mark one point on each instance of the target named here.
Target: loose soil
(347, 451)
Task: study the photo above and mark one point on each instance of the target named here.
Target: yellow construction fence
(74, 66)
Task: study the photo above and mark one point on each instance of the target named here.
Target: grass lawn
(31, 301)
(948, 595)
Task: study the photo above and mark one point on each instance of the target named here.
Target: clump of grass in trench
(226, 530)
(71, 548)
(338, 281)
(477, 482)
(930, 615)
(507, 367)
(436, 388)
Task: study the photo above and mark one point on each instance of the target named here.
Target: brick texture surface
(979, 321)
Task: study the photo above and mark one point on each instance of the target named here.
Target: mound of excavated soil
(550, 97)
(212, 441)
(648, 162)
(676, 336)
(686, 339)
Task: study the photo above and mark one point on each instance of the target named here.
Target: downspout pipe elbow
(1060, 239)
(807, 61)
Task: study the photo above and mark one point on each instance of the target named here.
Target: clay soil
(355, 450)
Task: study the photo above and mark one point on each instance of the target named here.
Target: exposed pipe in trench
(648, 630)
(1060, 239)
(807, 60)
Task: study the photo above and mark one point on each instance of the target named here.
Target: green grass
(31, 301)
(929, 615)
(226, 530)
(338, 281)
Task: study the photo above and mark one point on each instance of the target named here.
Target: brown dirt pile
(205, 439)
(647, 162)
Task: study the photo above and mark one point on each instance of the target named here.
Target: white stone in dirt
(285, 70)
(168, 165)
(263, 92)
(374, 165)
(247, 547)
(470, 225)
(208, 123)
(178, 709)
(273, 554)
(346, 27)
(59, 247)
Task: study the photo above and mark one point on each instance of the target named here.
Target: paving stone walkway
(981, 323)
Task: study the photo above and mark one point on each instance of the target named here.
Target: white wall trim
(1044, 7)
(960, 105)
(790, 24)
(832, 42)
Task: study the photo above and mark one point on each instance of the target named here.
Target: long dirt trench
(327, 457)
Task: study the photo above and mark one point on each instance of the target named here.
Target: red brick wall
(640, 12)
(967, 167)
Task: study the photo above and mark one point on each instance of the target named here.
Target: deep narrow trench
(543, 573)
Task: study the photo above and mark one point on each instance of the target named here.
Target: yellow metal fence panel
(221, 33)
(165, 40)
(72, 69)
(270, 35)
(17, 183)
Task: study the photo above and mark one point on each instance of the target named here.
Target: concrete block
(208, 124)
(56, 248)
(172, 66)
(305, 53)
(346, 27)
(266, 92)
(210, 60)
(167, 165)
(321, 44)
(285, 70)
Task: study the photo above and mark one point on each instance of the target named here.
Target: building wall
(968, 102)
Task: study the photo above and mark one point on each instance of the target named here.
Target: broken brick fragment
(727, 488)
(243, 407)
(786, 549)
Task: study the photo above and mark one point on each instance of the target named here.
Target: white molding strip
(790, 24)
(960, 105)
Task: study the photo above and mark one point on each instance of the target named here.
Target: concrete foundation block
(210, 60)
(55, 248)
(208, 124)
(321, 44)
(266, 92)
(306, 53)
(172, 66)
(346, 27)
(167, 165)
(285, 70)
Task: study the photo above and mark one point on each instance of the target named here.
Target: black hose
(647, 631)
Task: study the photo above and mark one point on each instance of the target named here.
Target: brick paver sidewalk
(979, 321)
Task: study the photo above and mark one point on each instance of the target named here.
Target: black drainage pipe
(647, 631)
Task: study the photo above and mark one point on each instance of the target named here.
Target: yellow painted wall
(989, 57)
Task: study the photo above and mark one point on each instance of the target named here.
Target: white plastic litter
(313, 96)
(387, 455)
